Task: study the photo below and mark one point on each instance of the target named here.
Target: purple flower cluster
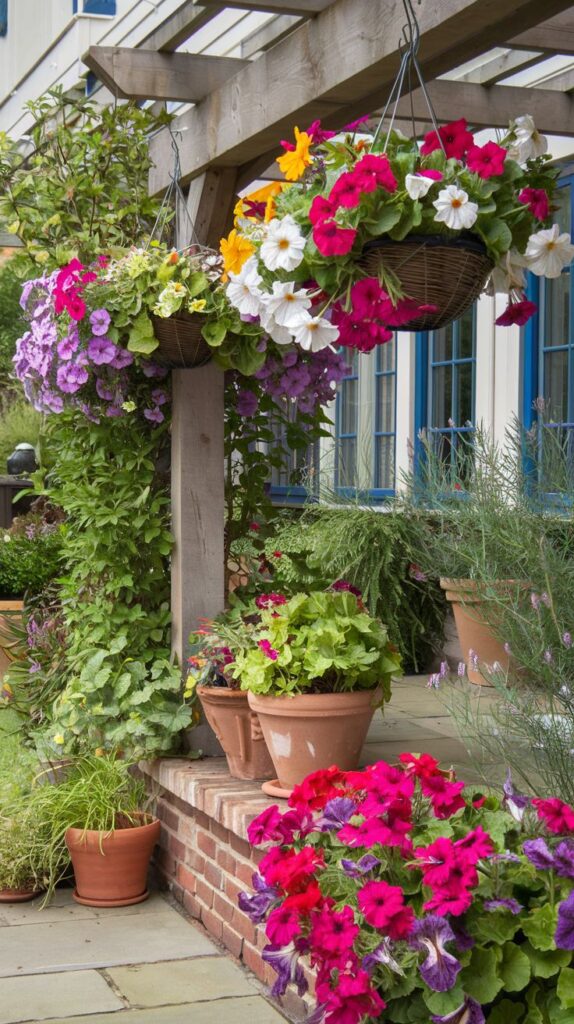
(310, 378)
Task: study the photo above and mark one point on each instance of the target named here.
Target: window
(347, 427)
(445, 386)
(298, 478)
(3, 17)
(106, 7)
(385, 418)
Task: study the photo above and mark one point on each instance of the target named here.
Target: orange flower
(235, 250)
(294, 161)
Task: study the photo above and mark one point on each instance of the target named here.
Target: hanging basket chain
(409, 46)
(174, 192)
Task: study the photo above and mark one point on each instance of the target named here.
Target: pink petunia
(383, 906)
(321, 209)
(332, 240)
(346, 191)
(517, 313)
(283, 925)
(374, 172)
(536, 199)
(455, 138)
(268, 650)
(333, 932)
(556, 815)
(487, 161)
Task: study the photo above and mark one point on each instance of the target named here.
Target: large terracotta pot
(238, 730)
(9, 610)
(309, 732)
(111, 868)
(468, 599)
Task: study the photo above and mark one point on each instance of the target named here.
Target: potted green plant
(22, 857)
(96, 816)
(224, 704)
(318, 668)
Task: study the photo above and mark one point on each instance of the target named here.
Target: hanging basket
(433, 270)
(181, 343)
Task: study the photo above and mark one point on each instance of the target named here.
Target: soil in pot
(310, 732)
(238, 730)
(468, 599)
(111, 868)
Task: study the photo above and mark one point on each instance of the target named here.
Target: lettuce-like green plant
(321, 642)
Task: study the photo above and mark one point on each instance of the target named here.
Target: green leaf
(386, 219)
(505, 1012)
(540, 927)
(196, 283)
(565, 988)
(514, 968)
(443, 1003)
(214, 332)
(480, 979)
(495, 233)
(546, 963)
(141, 337)
(495, 926)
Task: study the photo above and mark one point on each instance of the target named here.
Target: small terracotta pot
(238, 730)
(18, 895)
(111, 868)
(468, 599)
(9, 610)
(309, 732)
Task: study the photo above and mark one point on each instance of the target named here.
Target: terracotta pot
(18, 895)
(9, 610)
(111, 868)
(469, 599)
(238, 730)
(312, 731)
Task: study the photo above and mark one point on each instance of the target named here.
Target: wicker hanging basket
(433, 270)
(181, 343)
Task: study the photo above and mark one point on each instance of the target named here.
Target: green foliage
(318, 643)
(83, 188)
(377, 552)
(11, 326)
(28, 564)
(19, 422)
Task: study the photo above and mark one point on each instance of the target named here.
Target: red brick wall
(206, 867)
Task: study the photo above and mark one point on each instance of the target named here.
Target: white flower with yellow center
(280, 335)
(286, 303)
(548, 252)
(455, 209)
(243, 290)
(313, 333)
(529, 142)
(283, 246)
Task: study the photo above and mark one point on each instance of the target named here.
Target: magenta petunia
(487, 161)
(556, 815)
(332, 240)
(517, 313)
(536, 199)
(383, 906)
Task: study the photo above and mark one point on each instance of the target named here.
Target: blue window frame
(95, 7)
(302, 466)
(445, 388)
(347, 427)
(384, 437)
(3, 17)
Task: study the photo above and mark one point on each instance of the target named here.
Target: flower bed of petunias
(418, 899)
(293, 254)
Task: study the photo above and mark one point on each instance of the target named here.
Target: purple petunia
(122, 359)
(538, 854)
(440, 969)
(71, 377)
(67, 347)
(382, 955)
(257, 905)
(247, 403)
(469, 1012)
(101, 350)
(337, 813)
(513, 802)
(104, 392)
(358, 868)
(285, 962)
(564, 936)
(154, 415)
(504, 903)
(99, 321)
(564, 859)
(158, 396)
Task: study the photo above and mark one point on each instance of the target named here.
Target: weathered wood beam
(493, 69)
(332, 68)
(268, 35)
(564, 82)
(147, 74)
(553, 36)
(179, 26)
(494, 107)
(301, 7)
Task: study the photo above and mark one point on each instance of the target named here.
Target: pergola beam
(553, 36)
(493, 69)
(495, 106)
(304, 8)
(179, 26)
(147, 74)
(330, 67)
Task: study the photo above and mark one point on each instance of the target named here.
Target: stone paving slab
(182, 981)
(36, 998)
(246, 1010)
(101, 942)
(64, 908)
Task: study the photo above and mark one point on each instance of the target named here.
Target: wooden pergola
(328, 59)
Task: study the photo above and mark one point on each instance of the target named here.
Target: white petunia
(508, 274)
(283, 245)
(417, 185)
(243, 290)
(529, 142)
(548, 252)
(286, 303)
(455, 209)
(313, 333)
(280, 335)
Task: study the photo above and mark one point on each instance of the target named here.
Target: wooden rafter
(492, 69)
(332, 68)
(179, 26)
(147, 74)
(553, 36)
(301, 7)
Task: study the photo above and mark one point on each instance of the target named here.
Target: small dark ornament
(22, 460)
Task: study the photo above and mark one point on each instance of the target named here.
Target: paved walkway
(146, 964)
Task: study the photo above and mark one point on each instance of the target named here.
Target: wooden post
(197, 461)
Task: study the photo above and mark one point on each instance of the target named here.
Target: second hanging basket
(181, 343)
(437, 271)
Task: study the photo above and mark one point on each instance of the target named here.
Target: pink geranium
(383, 906)
(332, 240)
(487, 161)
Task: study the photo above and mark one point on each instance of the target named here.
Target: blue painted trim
(106, 7)
(529, 354)
(421, 392)
(376, 492)
(3, 17)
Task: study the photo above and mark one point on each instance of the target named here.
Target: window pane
(346, 462)
(556, 385)
(386, 404)
(441, 396)
(442, 345)
(463, 411)
(385, 469)
(465, 346)
(349, 406)
(563, 214)
(557, 302)
(386, 357)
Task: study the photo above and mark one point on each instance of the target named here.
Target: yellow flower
(6, 691)
(99, 751)
(235, 250)
(128, 406)
(59, 739)
(197, 305)
(294, 161)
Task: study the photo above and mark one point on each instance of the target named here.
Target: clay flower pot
(238, 730)
(309, 732)
(18, 895)
(468, 599)
(10, 610)
(111, 868)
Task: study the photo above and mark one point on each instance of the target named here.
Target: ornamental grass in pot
(318, 668)
(224, 704)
